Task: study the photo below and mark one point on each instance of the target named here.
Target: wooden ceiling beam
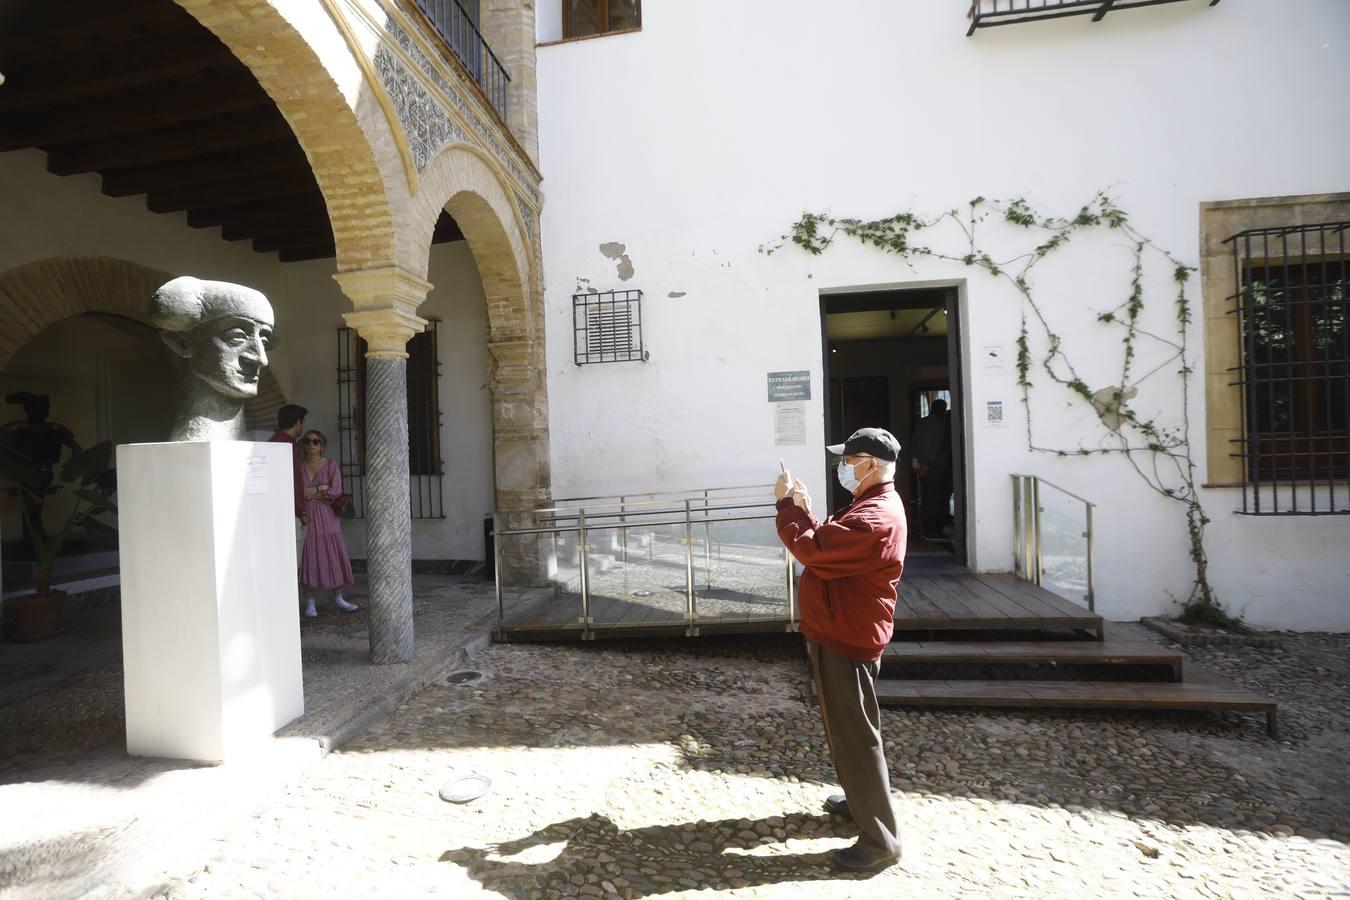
(447, 230)
(301, 254)
(133, 64)
(160, 107)
(229, 133)
(263, 210)
(308, 223)
(237, 190)
(51, 26)
(262, 159)
(294, 239)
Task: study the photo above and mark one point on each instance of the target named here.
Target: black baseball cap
(877, 442)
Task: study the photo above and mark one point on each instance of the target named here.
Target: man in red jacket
(853, 562)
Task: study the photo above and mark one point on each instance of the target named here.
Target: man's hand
(783, 486)
(801, 497)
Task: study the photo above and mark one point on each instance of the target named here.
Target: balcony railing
(460, 32)
(988, 13)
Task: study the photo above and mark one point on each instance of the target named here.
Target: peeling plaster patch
(1109, 402)
(614, 250)
(584, 286)
(675, 295)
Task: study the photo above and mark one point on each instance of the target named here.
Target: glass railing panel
(636, 575)
(540, 580)
(1064, 548)
(740, 572)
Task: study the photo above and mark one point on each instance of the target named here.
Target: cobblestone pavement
(79, 816)
(697, 768)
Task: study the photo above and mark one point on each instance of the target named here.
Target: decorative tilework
(427, 124)
(457, 99)
(526, 216)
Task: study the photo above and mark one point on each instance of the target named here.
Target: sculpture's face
(229, 354)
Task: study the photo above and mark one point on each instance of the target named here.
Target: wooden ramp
(1213, 693)
(969, 602)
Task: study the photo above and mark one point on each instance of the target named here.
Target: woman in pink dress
(323, 559)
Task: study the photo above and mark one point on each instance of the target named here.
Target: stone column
(386, 300)
(508, 27)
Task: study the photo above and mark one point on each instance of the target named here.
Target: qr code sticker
(993, 412)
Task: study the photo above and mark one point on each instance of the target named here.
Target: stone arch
(466, 182)
(310, 98)
(38, 294)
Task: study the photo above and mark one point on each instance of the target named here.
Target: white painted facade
(705, 135)
(47, 216)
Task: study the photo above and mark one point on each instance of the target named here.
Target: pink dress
(323, 560)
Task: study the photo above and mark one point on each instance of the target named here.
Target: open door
(887, 355)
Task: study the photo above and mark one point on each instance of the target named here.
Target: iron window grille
(607, 327)
(425, 464)
(988, 13)
(1294, 368)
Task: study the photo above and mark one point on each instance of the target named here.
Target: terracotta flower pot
(35, 617)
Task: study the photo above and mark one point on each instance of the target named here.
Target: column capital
(386, 302)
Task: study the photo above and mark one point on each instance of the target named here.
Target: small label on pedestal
(257, 475)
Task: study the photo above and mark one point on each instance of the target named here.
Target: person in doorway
(290, 423)
(930, 454)
(853, 561)
(324, 562)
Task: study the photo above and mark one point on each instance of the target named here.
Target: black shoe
(837, 805)
(860, 858)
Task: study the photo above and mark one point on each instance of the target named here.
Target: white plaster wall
(314, 314)
(708, 133)
(43, 215)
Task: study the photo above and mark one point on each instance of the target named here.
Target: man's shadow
(695, 852)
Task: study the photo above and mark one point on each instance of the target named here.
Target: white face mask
(848, 477)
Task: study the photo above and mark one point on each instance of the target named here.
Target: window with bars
(1294, 368)
(582, 18)
(989, 13)
(607, 327)
(425, 465)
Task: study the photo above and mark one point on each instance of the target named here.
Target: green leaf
(86, 465)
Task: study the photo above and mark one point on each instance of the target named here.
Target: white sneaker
(310, 611)
(342, 603)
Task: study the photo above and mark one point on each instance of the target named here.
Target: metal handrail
(1028, 556)
(460, 33)
(562, 503)
(696, 510)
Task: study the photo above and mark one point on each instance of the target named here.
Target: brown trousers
(846, 691)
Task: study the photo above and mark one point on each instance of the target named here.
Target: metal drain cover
(464, 677)
(465, 788)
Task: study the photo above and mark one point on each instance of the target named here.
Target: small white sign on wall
(995, 414)
(993, 358)
(789, 424)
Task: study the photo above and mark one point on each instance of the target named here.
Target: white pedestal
(210, 623)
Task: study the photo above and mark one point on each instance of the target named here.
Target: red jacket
(297, 476)
(853, 563)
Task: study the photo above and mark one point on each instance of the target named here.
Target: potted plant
(89, 475)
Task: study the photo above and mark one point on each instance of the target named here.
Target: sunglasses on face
(311, 441)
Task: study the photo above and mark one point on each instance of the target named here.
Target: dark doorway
(890, 357)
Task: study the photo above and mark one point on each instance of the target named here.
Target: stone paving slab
(81, 818)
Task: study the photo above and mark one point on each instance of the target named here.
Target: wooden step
(1212, 693)
(1108, 652)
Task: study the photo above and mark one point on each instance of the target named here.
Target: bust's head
(223, 331)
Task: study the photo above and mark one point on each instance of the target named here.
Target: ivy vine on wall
(1159, 454)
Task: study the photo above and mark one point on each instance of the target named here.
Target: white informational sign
(993, 358)
(257, 475)
(995, 414)
(789, 424)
